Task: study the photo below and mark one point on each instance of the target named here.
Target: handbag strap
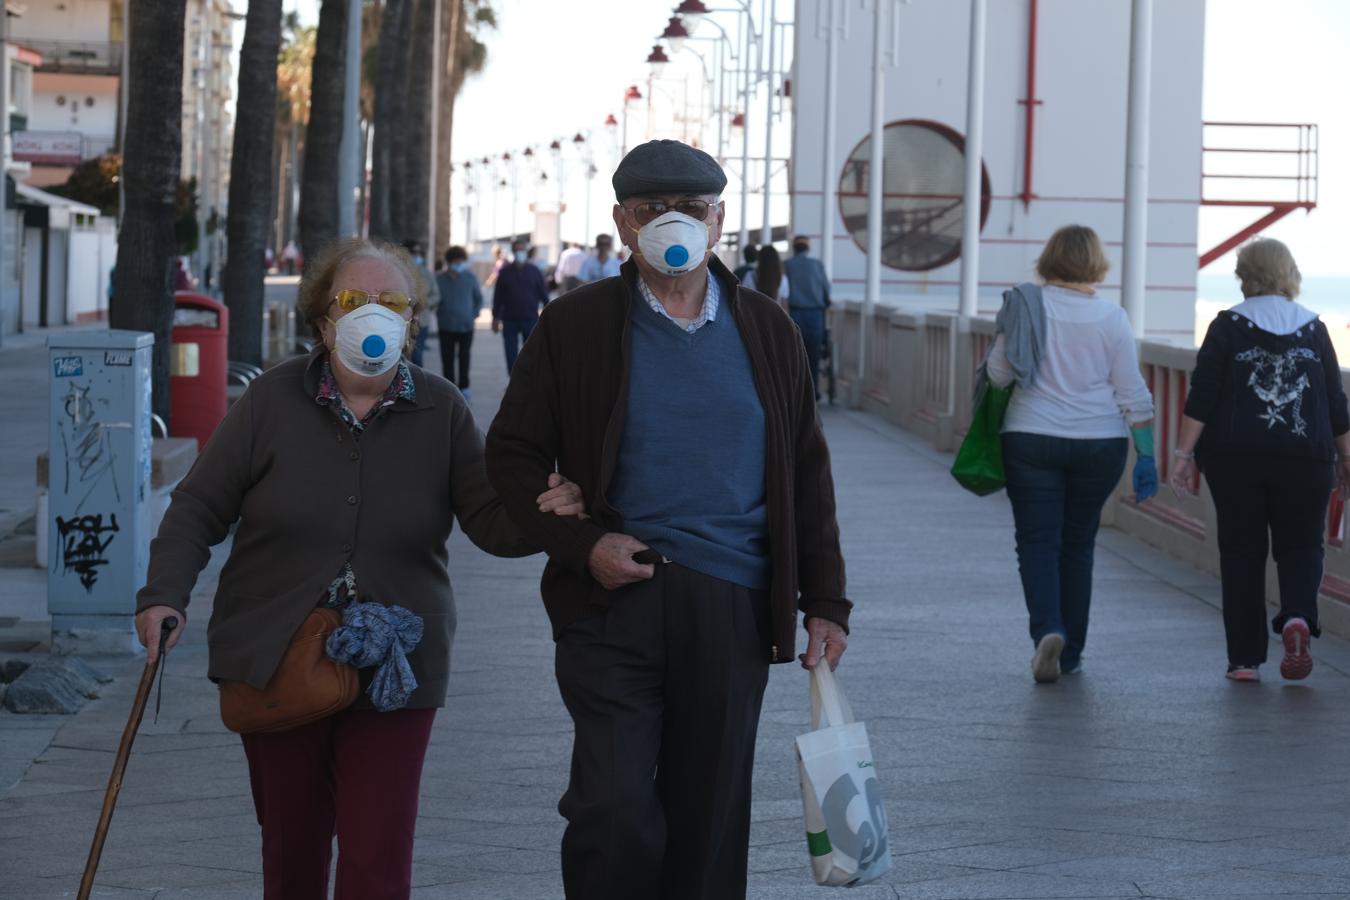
(829, 708)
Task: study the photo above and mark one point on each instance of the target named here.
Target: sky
(557, 68)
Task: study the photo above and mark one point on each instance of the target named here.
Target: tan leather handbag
(306, 686)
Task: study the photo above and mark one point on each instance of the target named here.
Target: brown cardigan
(308, 498)
(565, 407)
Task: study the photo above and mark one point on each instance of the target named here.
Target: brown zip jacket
(564, 410)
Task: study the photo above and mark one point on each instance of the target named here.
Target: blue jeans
(1058, 487)
(515, 332)
(420, 345)
(811, 322)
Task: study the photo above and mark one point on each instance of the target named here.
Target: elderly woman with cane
(1266, 422)
(345, 471)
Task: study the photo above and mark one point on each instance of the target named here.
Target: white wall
(1079, 135)
(75, 114)
(63, 20)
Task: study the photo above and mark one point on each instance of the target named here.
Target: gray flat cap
(667, 167)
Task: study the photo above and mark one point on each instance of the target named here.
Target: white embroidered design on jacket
(1274, 383)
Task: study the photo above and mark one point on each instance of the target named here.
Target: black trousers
(456, 343)
(1266, 504)
(665, 690)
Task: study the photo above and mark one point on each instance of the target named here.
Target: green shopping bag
(979, 461)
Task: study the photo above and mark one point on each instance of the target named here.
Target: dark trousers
(664, 689)
(356, 775)
(811, 323)
(515, 332)
(456, 344)
(1266, 504)
(1058, 487)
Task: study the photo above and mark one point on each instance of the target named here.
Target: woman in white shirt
(1079, 396)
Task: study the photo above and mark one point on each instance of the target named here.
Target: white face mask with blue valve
(673, 243)
(369, 339)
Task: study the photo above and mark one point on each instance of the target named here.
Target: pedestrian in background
(461, 301)
(768, 277)
(360, 520)
(602, 263)
(1266, 421)
(518, 296)
(808, 298)
(427, 317)
(499, 261)
(681, 400)
(569, 266)
(751, 255)
(1079, 397)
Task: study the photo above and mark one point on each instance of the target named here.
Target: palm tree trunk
(144, 280)
(251, 179)
(417, 155)
(451, 17)
(323, 137)
(387, 115)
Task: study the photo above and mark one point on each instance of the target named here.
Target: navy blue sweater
(1265, 393)
(689, 479)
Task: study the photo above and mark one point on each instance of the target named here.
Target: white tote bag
(841, 797)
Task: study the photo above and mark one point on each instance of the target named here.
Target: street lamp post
(629, 96)
(556, 149)
(587, 155)
(828, 173)
(771, 80)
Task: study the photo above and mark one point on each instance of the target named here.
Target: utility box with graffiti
(98, 511)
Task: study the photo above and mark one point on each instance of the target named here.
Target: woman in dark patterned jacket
(1267, 423)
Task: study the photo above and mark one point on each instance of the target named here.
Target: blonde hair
(316, 285)
(1265, 266)
(1074, 254)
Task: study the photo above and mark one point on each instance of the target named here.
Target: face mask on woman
(673, 243)
(369, 339)
(521, 256)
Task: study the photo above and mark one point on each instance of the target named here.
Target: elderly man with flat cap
(682, 405)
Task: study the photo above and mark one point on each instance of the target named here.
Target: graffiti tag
(88, 444)
(84, 545)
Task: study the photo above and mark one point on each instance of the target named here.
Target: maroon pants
(356, 775)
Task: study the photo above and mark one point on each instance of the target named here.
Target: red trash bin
(198, 362)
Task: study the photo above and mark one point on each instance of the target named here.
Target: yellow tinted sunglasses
(350, 299)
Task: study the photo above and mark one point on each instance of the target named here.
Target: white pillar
(829, 177)
(875, 186)
(744, 239)
(7, 264)
(771, 84)
(971, 202)
(350, 164)
(1135, 250)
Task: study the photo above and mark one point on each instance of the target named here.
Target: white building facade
(1065, 60)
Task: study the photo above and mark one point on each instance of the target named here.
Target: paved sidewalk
(1149, 775)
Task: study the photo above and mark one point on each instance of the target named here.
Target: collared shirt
(593, 269)
(570, 262)
(343, 588)
(708, 314)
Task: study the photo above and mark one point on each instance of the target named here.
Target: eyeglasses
(649, 210)
(350, 299)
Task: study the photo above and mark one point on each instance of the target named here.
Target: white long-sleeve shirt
(1088, 384)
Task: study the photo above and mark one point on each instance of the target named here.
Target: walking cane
(120, 764)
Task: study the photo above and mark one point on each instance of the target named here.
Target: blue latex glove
(1145, 478)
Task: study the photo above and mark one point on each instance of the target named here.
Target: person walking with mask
(461, 301)
(808, 298)
(1266, 420)
(341, 475)
(517, 297)
(681, 403)
(601, 264)
(1079, 396)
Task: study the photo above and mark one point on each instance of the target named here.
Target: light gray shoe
(1045, 664)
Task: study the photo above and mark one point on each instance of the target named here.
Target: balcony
(77, 57)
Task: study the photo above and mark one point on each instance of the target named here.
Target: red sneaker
(1243, 673)
(1297, 663)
